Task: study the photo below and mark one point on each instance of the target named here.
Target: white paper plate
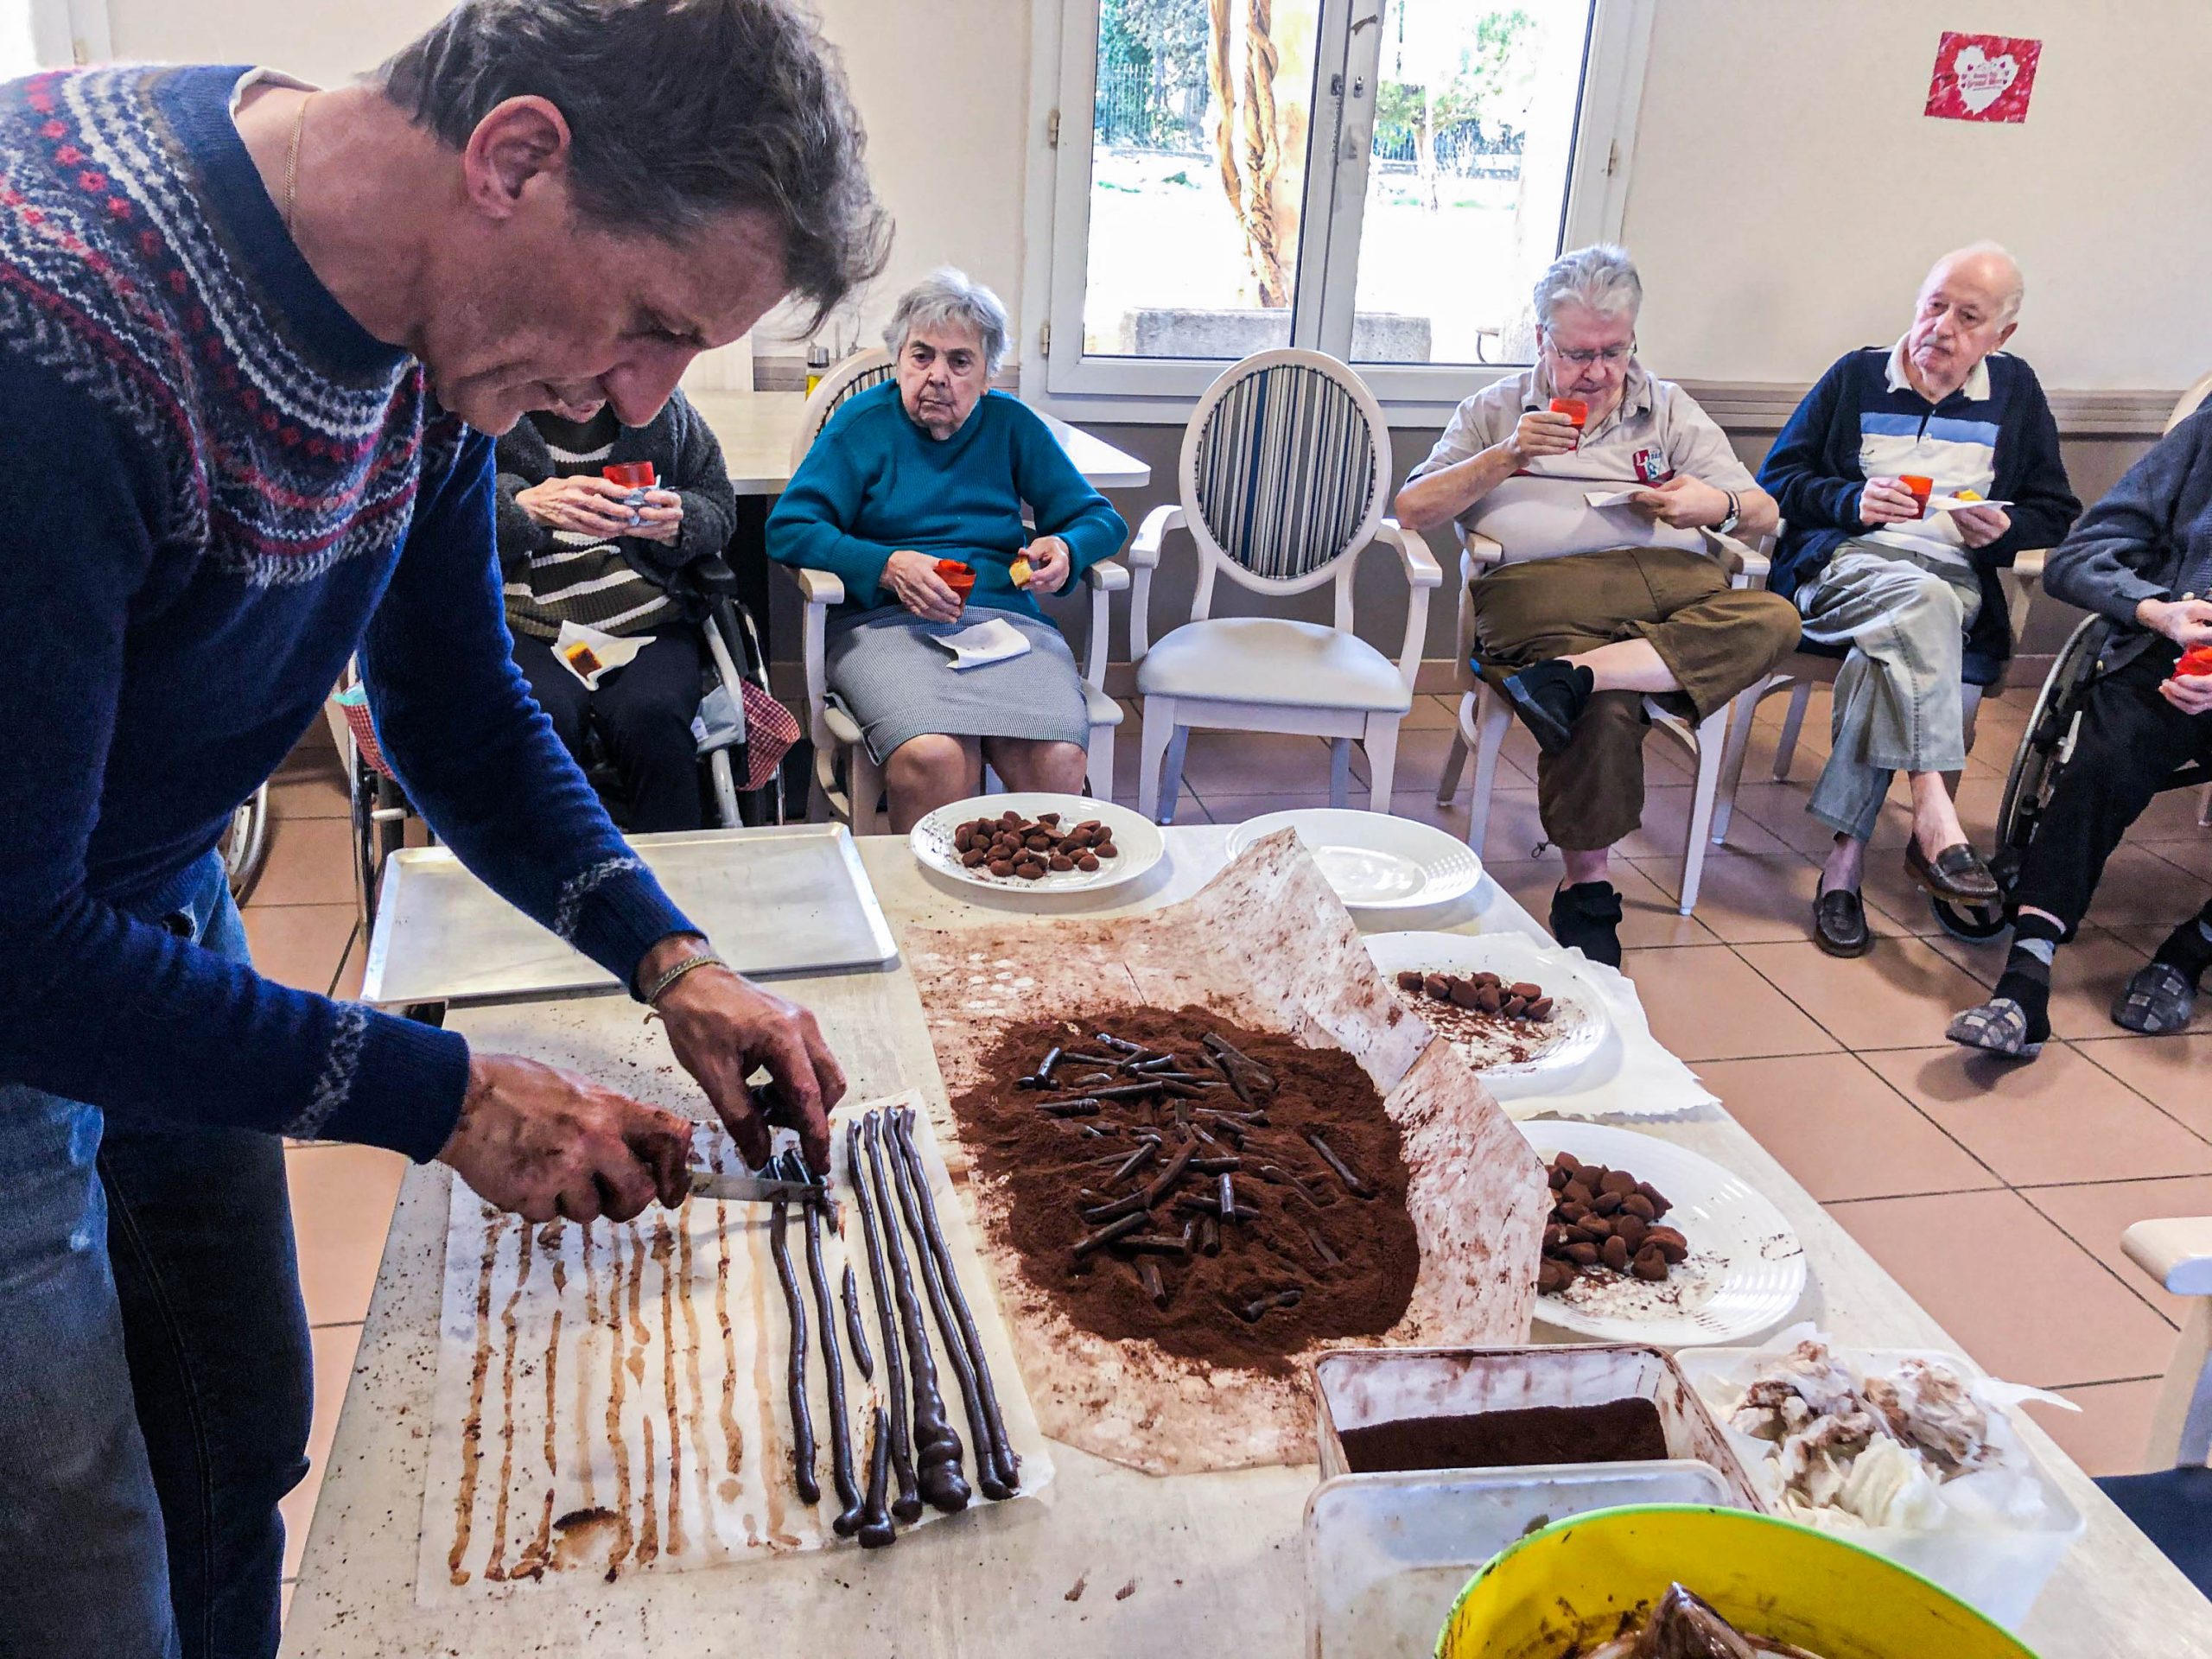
(1746, 1268)
(1374, 861)
(1136, 836)
(1554, 1052)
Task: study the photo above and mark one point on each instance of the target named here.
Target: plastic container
(1919, 488)
(1574, 408)
(1572, 1582)
(959, 577)
(2001, 1570)
(2198, 659)
(630, 474)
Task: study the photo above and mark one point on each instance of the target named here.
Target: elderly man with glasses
(1597, 478)
(1909, 476)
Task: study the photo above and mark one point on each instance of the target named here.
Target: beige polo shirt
(1655, 432)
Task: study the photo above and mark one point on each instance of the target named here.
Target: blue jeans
(155, 1388)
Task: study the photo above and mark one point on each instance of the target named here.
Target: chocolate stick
(1220, 1045)
(875, 1527)
(1228, 1199)
(840, 1437)
(1148, 1277)
(1345, 1174)
(936, 1444)
(1136, 1160)
(1329, 1257)
(1001, 1446)
(908, 1504)
(810, 1489)
(855, 1328)
(1120, 1227)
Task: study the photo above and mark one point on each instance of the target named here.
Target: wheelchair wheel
(246, 844)
(2046, 744)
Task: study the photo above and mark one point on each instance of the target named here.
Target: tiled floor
(1996, 1196)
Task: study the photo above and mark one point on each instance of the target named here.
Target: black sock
(2026, 979)
(2189, 947)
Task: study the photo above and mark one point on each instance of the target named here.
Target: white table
(755, 430)
(1214, 1558)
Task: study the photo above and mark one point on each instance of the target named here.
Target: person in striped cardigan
(573, 549)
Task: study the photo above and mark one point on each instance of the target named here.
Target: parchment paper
(640, 1370)
(1268, 945)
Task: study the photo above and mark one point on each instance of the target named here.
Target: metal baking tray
(789, 898)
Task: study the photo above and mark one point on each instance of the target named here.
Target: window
(1378, 179)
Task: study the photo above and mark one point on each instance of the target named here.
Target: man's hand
(1682, 502)
(589, 506)
(1049, 564)
(660, 516)
(1979, 526)
(1540, 432)
(2186, 621)
(722, 1027)
(914, 580)
(547, 1143)
(1887, 501)
(2190, 693)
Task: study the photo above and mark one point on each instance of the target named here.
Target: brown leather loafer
(1956, 872)
(1840, 924)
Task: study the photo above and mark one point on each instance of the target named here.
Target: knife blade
(751, 1189)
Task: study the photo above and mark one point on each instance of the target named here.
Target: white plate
(1374, 861)
(1746, 1268)
(1135, 837)
(1548, 1054)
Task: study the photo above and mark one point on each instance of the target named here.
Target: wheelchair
(2046, 747)
(734, 657)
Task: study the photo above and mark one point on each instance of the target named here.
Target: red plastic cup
(2196, 660)
(957, 576)
(630, 474)
(1574, 408)
(1920, 489)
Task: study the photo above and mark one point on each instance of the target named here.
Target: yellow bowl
(1572, 1583)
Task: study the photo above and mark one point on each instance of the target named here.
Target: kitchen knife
(751, 1189)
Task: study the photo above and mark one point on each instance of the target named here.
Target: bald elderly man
(1912, 590)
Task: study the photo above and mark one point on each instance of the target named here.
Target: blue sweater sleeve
(808, 527)
(457, 722)
(2031, 473)
(95, 1004)
(2111, 561)
(1799, 471)
(1062, 500)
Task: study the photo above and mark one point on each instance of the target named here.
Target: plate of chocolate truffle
(1037, 842)
(1649, 1241)
(1514, 1009)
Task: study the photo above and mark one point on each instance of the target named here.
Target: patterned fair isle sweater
(217, 487)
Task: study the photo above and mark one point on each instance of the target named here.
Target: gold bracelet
(652, 994)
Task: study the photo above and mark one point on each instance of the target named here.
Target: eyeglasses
(1615, 355)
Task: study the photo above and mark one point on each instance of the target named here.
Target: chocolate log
(936, 1444)
(810, 1489)
(908, 1504)
(840, 1437)
(1002, 1459)
(1358, 1187)
(875, 1527)
(855, 1328)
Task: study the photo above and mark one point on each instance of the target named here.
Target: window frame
(1063, 89)
(66, 32)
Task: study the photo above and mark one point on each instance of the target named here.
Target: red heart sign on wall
(1983, 77)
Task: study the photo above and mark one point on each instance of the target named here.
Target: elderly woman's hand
(913, 579)
(660, 516)
(1049, 564)
(588, 505)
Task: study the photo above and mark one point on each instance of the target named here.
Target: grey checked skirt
(898, 684)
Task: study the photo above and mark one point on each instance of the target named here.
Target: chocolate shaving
(936, 1444)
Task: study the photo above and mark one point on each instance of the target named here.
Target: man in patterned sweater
(234, 311)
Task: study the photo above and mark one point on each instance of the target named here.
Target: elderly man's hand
(1887, 501)
(914, 580)
(722, 1027)
(660, 516)
(589, 506)
(1979, 526)
(1682, 502)
(1540, 432)
(1049, 564)
(2190, 693)
(547, 1143)
(2187, 622)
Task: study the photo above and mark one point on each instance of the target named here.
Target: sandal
(2159, 999)
(1997, 1027)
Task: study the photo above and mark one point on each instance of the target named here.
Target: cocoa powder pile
(1308, 1259)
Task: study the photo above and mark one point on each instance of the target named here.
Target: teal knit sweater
(875, 483)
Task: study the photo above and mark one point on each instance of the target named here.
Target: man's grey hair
(1601, 278)
(2015, 287)
(946, 295)
(679, 111)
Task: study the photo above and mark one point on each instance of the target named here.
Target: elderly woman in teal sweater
(935, 467)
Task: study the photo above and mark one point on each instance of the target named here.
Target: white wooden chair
(1285, 465)
(836, 734)
(2173, 1503)
(1486, 715)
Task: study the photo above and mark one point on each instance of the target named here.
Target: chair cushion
(2174, 1508)
(1271, 660)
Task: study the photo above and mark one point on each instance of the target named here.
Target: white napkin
(1612, 498)
(601, 651)
(995, 641)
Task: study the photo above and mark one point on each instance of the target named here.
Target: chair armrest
(1423, 575)
(1104, 578)
(818, 587)
(1477, 552)
(2028, 562)
(1107, 577)
(1739, 557)
(2178, 1254)
(1144, 549)
(1421, 568)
